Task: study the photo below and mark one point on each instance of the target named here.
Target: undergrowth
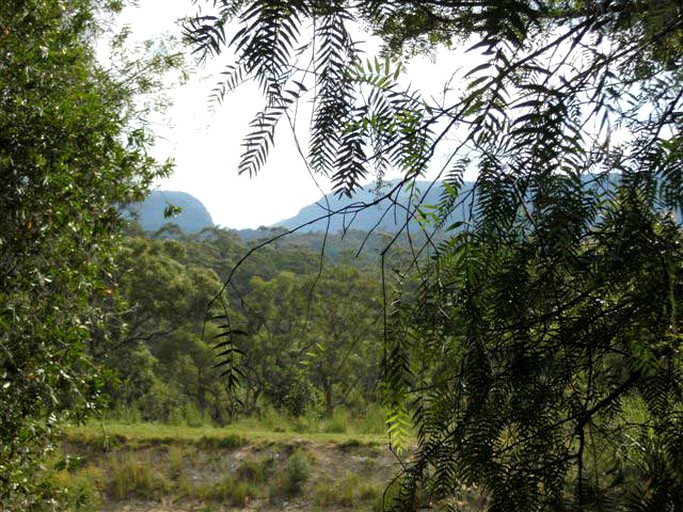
(219, 467)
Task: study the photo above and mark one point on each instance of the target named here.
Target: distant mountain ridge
(383, 217)
(390, 216)
(192, 218)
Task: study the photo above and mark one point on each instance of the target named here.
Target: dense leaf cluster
(67, 158)
(540, 359)
(309, 342)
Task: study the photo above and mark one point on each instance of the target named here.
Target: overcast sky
(206, 146)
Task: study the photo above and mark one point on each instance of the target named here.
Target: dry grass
(208, 468)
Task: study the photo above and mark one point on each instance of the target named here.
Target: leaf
(477, 69)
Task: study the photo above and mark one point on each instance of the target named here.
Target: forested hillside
(309, 323)
(518, 337)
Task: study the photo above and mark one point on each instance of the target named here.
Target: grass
(352, 491)
(229, 490)
(176, 461)
(279, 462)
(138, 435)
(133, 475)
(296, 472)
(356, 490)
(77, 488)
(254, 471)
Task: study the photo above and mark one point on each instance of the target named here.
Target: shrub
(325, 493)
(231, 491)
(253, 471)
(132, 475)
(75, 489)
(297, 471)
(354, 491)
(338, 423)
(292, 475)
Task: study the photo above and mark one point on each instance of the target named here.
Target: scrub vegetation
(522, 356)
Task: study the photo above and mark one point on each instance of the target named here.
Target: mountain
(386, 216)
(389, 215)
(192, 218)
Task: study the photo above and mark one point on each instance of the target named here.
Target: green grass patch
(229, 490)
(291, 477)
(76, 488)
(227, 440)
(135, 475)
(352, 492)
(231, 466)
(255, 471)
(110, 436)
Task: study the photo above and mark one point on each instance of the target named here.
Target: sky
(206, 145)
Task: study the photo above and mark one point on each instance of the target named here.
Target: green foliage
(555, 306)
(296, 473)
(256, 472)
(356, 492)
(226, 441)
(300, 342)
(230, 490)
(72, 484)
(338, 423)
(163, 368)
(132, 476)
(350, 492)
(544, 366)
(307, 338)
(72, 150)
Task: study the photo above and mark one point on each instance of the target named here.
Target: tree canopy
(72, 150)
(539, 360)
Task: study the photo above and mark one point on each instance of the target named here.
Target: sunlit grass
(252, 431)
(133, 474)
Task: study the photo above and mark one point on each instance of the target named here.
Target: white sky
(206, 146)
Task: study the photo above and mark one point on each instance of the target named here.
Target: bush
(297, 471)
(253, 471)
(325, 493)
(132, 475)
(338, 423)
(292, 476)
(77, 489)
(354, 491)
(231, 491)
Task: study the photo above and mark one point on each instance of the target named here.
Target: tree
(162, 300)
(71, 151)
(275, 327)
(342, 346)
(310, 345)
(540, 358)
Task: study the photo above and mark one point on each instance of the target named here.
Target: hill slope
(150, 213)
(386, 216)
(361, 213)
(122, 468)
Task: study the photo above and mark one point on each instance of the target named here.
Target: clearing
(149, 467)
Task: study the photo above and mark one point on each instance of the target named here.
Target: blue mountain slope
(390, 215)
(386, 216)
(150, 213)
